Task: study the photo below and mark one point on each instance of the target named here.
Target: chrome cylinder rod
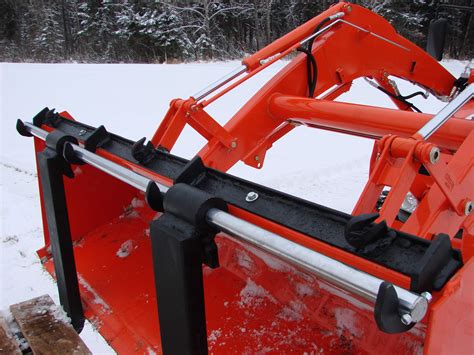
(337, 16)
(243, 69)
(219, 83)
(445, 114)
(342, 275)
(347, 278)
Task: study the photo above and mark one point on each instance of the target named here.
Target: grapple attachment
(165, 254)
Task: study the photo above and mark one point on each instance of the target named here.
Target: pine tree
(97, 29)
(172, 40)
(168, 30)
(49, 41)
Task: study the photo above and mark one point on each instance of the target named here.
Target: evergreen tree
(97, 29)
(49, 41)
(180, 30)
(170, 37)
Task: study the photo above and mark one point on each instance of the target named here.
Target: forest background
(146, 31)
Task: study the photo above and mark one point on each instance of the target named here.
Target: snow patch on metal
(126, 249)
(96, 298)
(254, 295)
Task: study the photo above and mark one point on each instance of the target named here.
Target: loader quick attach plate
(254, 302)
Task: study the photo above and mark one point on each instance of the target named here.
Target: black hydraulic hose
(312, 70)
(311, 65)
(418, 93)
(402, 98)
(317, 29)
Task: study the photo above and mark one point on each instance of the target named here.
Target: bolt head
(251, 196)
(406, 319)
(435, 154)
(427, 296)
(468, 208)
(257, 158)
(233, 144)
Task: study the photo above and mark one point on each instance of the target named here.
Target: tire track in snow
(17, 169)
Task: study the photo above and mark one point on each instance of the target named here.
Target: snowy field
(130, 100)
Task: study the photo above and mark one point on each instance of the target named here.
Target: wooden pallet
(45, 328)
(8, 344)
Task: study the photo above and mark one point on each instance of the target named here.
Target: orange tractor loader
(168, 255)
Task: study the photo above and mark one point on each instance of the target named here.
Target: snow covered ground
(130, 100)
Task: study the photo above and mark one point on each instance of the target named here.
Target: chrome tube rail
(413, 307)
(37, 132)
(347, 278)
(446, 113)
(123, 174)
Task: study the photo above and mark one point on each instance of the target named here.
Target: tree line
(151, 31)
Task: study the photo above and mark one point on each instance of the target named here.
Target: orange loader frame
(345, 53)
(436, 172)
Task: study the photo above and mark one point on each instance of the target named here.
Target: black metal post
(177, 258)
(51, 167)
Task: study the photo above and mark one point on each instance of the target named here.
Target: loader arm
(361, 44)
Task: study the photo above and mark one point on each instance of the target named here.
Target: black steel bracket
(40, 117)
(21, 129)
(191, 171)
(154, 197)
(177, 262)
(386, 310)
(430, 272)
(192, 204)
(434, 268)
(367, 237)
(47, 116)
(182, 241)
(52, 167)
(56, 141)
(97, 139)
(143, 153)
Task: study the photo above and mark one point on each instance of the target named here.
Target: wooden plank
(8, 345)
(45, 327)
